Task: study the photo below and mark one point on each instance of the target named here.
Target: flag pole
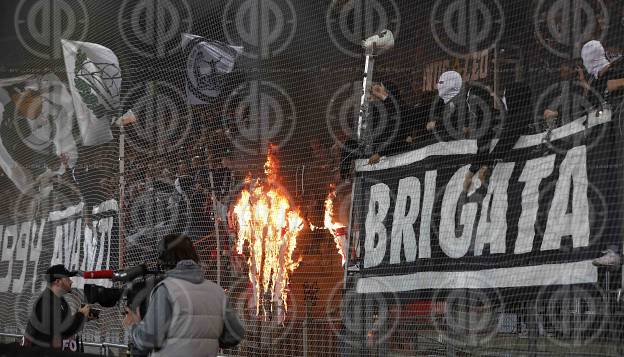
(216, 214)
(120, 216)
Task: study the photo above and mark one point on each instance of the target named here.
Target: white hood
(594, 58)
(449, 85)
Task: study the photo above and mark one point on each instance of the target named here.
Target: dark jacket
(517, 121)
(451, 118)
(391, 123)
(599, 86)
(51, 321)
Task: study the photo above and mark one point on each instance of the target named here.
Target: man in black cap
(51, 323)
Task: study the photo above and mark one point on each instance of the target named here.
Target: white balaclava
(449, 85)
(594, 58)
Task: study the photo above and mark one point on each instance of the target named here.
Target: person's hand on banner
(378, 91)
(374, 159)
(126, 119)
(431, 125)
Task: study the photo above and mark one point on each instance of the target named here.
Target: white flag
(36, 118)
(94, 78)
(207, 61)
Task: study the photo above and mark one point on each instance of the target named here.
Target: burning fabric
(268, 226)
(337, 229)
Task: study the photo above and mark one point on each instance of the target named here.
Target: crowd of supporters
(190, 173)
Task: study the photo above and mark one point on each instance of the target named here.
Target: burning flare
(337, 229)
(269, 225)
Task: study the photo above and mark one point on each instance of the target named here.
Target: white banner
(36, 125)
(94, 79)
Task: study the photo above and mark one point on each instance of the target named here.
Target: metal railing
(104, 347)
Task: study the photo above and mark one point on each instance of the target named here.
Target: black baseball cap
(58, 271)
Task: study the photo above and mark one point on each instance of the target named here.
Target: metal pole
(363, 140)
(363, 119)
(349, 228)
(122, 183)
(496, 79)
(217, 213)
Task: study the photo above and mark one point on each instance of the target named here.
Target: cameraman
(187, 315)
(50, 323)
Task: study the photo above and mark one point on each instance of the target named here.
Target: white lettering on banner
(424, 243)
(492, 228)
(74, 263)
(450, 243)
(572, 172)
(21, 254)
(35, 249)
(8, 245)
(89, 250)
(96, 245)
(378, 206)
(556, 185)
(403, 222)
(67, 244)
(22, 243)
(24, 247)
(57, 254)
(534, 172)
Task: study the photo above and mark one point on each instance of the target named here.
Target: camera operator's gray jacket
(186, 315)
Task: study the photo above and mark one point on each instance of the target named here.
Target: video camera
(93, 312)
(136, 281)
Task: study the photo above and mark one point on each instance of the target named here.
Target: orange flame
(269, 225)
(335, 228)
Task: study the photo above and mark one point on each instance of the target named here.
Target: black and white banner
(36, 115)
(29, 247)
(207, 62)
(94, 78)
(546, 213)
